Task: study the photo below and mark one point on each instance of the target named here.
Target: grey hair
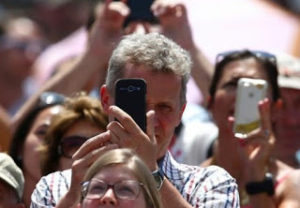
(153, 50)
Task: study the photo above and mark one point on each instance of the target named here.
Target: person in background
(18, 50)
(81, 118)
(119, 178)
(158, 61)
(104, 31)
(287, 131)
(11, 183)
(264, 181)
(28, 137)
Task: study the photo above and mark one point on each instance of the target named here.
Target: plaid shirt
(201, 187)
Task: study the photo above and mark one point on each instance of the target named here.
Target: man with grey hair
(287, 146)
(11, 183)
(165, 67)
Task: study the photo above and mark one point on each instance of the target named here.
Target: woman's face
(224, 100)
(80, 130)
(35, 137)
(112, 175)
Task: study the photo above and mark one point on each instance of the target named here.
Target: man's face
(288, 128)
(163, 96)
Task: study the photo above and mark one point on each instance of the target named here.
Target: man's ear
(105, 97)
(181, 112)
(276, 109)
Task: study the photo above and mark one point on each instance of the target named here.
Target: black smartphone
(130, 96)
(140, 10)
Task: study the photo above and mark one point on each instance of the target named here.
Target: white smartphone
(247, 117)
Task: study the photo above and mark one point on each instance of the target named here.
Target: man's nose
(109, 198)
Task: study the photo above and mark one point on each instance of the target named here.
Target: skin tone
(106, 33)
(163, 99)
(16, 63)
(108, 28)
(120, 173)
(80, 128)
(8, 197)
(287, 130)
(164, 114)
(249, 159)
(31, 155)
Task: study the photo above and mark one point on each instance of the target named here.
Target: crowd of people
(65, 143)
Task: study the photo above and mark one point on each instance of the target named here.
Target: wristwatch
(159, 177)
(265, 186)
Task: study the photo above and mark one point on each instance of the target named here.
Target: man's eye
(164, 108)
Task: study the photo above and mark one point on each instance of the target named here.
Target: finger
(80, 165)
(117, 132)
(125, 120)
(91, 144)
(150, 125)
(264, 110)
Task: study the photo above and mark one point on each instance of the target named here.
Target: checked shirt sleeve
(202, 187)
(50, 189)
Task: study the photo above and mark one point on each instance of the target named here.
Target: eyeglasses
(126, 189)
(262, 55)
(51, 98)
(69, 145)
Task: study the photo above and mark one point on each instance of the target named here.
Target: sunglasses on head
(69, 145)
(236, 54)
(51, 98)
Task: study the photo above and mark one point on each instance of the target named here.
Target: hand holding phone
(130, 96)
(247, 117)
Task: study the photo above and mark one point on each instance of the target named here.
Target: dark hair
(46, 100)
(267, 60)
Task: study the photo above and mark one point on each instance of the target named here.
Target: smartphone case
(247, 117)
(130, 96)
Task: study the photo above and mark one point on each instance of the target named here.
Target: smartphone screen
(130, 96)
(247, 117)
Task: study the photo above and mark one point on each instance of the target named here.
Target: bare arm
(105, 34)
(290, 191)
(173, 14)
(5, 129)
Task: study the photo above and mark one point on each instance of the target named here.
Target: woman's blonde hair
(130, 160)
(81, 107)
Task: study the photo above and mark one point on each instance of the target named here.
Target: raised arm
(175, 25)
(104, 35)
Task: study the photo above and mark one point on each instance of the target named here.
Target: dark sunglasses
(235, 54)
(69, 145)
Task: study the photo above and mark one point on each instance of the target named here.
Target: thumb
(150, 125)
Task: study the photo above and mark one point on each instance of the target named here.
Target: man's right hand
(87, 154)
